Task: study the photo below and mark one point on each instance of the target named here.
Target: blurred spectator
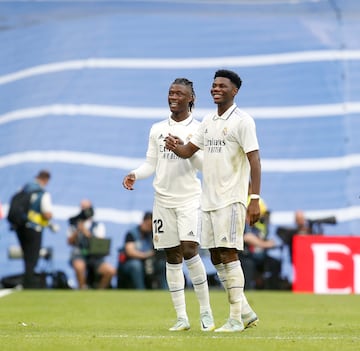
(140, 266)
(302, 225)
(91, 269)
(30, 234)
(276, 269)
(255, 244)
(278, 262)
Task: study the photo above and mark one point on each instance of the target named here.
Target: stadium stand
(81, 83)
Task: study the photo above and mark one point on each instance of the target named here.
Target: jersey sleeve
(100, 230)
(248, 138)
(198, 138)
(148, 167)
(46, 204)
(129, 237)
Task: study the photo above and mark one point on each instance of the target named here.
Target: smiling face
(223, 92)
(179, 98)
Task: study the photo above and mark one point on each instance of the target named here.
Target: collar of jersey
(226, 114)
(185, 122)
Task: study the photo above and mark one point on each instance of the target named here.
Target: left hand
(253, 212)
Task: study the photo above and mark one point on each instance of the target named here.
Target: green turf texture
(67, 320)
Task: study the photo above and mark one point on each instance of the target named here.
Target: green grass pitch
(68, 320)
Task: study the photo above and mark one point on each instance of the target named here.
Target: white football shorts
(224, 227)
(172, 225)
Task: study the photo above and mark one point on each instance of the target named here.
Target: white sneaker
(250, 320)
(231, 326)
(207, 321)
(180, 325)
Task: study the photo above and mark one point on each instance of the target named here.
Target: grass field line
(216, 336)
(242, 335)
(4, 292)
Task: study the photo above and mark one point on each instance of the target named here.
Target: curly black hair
(234, 77)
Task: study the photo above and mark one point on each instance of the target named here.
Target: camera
(316, 224)
(82, 216)
(326, 220)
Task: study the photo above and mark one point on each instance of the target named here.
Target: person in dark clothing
(140, 265)
(30, 234)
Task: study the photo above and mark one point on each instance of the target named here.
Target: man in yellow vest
(30, 234)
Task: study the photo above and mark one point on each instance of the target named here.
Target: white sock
(220, 269)
(176, 283)
(245, 306)
(235, 288)
(198, 278)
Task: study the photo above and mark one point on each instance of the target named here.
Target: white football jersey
(226, 140)
(176, 181)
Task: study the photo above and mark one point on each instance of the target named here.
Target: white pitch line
(242, 335)
(217, 336)
(5, 292)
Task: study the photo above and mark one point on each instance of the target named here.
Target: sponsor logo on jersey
(214, 145)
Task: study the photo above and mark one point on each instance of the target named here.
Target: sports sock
(176, 283)
(220, 269)
(235, 288)
(198, 278)
(245, 306)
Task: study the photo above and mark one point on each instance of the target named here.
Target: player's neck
(222, 108)
(181, 116)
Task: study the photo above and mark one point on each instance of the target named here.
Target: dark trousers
(30, 242)
(272, 273)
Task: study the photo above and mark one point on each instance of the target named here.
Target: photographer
(279, 270)
(30, 233)
(82, 228)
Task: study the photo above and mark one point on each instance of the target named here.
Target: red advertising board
(326, 264)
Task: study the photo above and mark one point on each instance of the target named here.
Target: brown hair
(43, 174)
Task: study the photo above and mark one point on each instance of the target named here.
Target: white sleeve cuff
(146, 169)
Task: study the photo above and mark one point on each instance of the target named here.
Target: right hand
(171, 142)
(150, 253)
(129, 181)
(54, 227)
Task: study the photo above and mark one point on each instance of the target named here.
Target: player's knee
(189, 249)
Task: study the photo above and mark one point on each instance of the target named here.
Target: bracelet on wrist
(254, 196)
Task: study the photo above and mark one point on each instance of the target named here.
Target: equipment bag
(19, 208)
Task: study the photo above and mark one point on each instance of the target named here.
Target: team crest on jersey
(225, 131)
(188, 137)
(156, 237)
